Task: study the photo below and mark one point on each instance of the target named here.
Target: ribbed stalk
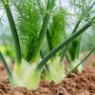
(44, 27)
(7, 69)
(50, 6)
(14, 32)
(76, 26)
(48, 40)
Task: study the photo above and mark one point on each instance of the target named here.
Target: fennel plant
(28, 35)
(55, 36)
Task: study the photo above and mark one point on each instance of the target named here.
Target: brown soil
(75, 84)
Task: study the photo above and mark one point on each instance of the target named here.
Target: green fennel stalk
(8, 70)
(15, 37)
(14, 32)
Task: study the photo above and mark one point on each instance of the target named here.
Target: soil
(75, 84)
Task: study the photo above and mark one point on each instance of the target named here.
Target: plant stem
(48, 40)
(7, 69)
(69, 61)
(44, 27)
(66, 48)
(50, 6)
(46, 65)
(14, 33)
(76, 26)
(64, 52)
(67, 41)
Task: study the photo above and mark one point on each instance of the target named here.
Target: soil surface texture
(75, 84)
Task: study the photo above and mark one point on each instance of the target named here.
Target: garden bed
(45, 34)
(75, 84)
